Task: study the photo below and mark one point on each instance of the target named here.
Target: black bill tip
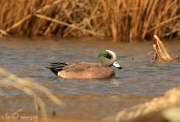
(120, 67)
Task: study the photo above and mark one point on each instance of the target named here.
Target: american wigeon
(80, 70)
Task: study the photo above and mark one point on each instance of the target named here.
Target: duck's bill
(115, 64)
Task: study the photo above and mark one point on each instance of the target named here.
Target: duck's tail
(56, 67)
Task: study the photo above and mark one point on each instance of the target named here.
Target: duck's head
(108, 58)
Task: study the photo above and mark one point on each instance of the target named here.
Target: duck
(87, 70)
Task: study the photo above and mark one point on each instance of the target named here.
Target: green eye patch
(105, 54)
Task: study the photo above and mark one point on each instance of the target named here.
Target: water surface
(137, 82)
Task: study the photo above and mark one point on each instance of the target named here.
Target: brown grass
(161, 54)
(28, 86)
(119, 20)
(160, 106)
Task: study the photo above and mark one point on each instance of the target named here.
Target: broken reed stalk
(18, 23)
(164, 22)
(160, 52)
(27, 86)
(119, 20)
(4, 33)
(72, 26)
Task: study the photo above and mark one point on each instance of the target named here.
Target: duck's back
(86, 70)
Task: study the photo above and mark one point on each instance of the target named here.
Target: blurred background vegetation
(117, 20)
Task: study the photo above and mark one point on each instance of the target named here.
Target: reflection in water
(137, 82)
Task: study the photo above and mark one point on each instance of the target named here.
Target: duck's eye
(109, 56)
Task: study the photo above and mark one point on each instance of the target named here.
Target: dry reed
(121, 20)
(28, 86)
(170, 99)
(161, 53)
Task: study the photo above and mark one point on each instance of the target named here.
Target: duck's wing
(56, 67)
(67, 66)
(79, 66)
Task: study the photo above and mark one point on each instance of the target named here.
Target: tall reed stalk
(119, 20)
